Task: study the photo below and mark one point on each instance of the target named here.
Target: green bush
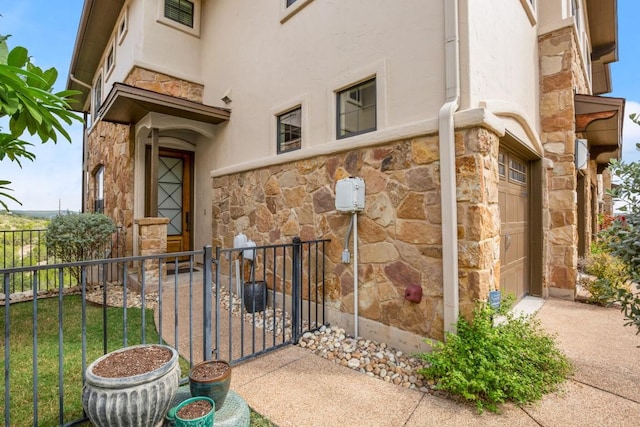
(488, 365)
(608, 277)
(79, 237)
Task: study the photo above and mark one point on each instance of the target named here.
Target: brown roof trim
(97, 22)
(127, 105)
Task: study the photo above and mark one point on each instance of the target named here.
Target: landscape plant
(489, 363)
(604, 277)
(79, 237)
(623, 234)
(28, 101)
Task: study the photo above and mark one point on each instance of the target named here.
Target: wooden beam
(584, 120)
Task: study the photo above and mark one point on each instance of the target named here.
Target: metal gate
(267, 297)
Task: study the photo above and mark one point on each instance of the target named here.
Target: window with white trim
(181, 11)
(97, 94)
(110, 60)
(290, 130)
(98, 182)
(123, 25)
(290, 2)
(356, 109)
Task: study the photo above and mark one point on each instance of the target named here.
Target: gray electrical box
(350, 195)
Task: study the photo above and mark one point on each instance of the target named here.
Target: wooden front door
(175, 175)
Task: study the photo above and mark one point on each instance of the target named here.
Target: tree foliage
(28, 101)
(622, 237)
(79, 237)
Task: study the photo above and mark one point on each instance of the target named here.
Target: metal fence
(47, 343)
(27, 248)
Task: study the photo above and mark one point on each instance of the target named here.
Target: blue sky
(48, 29)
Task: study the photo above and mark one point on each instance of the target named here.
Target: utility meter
(350, 195)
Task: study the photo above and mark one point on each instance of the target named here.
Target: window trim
(111, 50)
(286, 12)
(123, 25)
(278, 133)
(529, 7)
(195, 31)
(98, 188)
(358, 103)
(98, 89)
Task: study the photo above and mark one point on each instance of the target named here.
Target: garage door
(514, 212)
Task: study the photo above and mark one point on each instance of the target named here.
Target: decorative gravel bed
(368, 357)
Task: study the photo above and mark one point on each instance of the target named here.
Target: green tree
(28, 101)
(622, 237)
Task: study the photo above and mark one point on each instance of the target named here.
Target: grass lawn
(21, 356)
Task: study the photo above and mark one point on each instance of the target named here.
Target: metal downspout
(446, 133)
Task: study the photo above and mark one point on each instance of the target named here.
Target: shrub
(78, 237)
(608, 277)
(488, 365)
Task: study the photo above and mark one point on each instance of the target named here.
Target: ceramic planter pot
(203, 421)
(136, 400)
(214, 387)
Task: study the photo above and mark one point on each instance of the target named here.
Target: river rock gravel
(368, 357)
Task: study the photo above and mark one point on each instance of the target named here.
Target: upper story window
(97, 94)
(110, 60)
(356, 109)
(183, 15)
(288, 8)
(181, 11)
(290, 130)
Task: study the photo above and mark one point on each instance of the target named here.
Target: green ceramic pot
(203, 421)
(215, 388)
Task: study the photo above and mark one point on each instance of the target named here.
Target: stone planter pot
(136, 400)
(215, 387)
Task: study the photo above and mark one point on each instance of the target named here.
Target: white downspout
(446, 133)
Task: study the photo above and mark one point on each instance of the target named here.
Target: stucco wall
(500, 56)
(270, 66)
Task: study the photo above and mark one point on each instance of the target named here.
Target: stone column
(559, 77)
(152, 240)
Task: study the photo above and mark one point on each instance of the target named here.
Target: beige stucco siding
(271, 66)
(504, 65)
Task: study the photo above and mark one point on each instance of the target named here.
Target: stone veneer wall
(109, 145)
(113, 146)
(399, 231)
(560, 74)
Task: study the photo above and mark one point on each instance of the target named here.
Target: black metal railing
(202, 317)
(277, 289)
(27, 248)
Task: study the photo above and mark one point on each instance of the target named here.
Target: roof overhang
(603, 33)
(97, 21)
(128, 105)
(599, 119)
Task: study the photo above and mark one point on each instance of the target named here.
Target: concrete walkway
(293, 387)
